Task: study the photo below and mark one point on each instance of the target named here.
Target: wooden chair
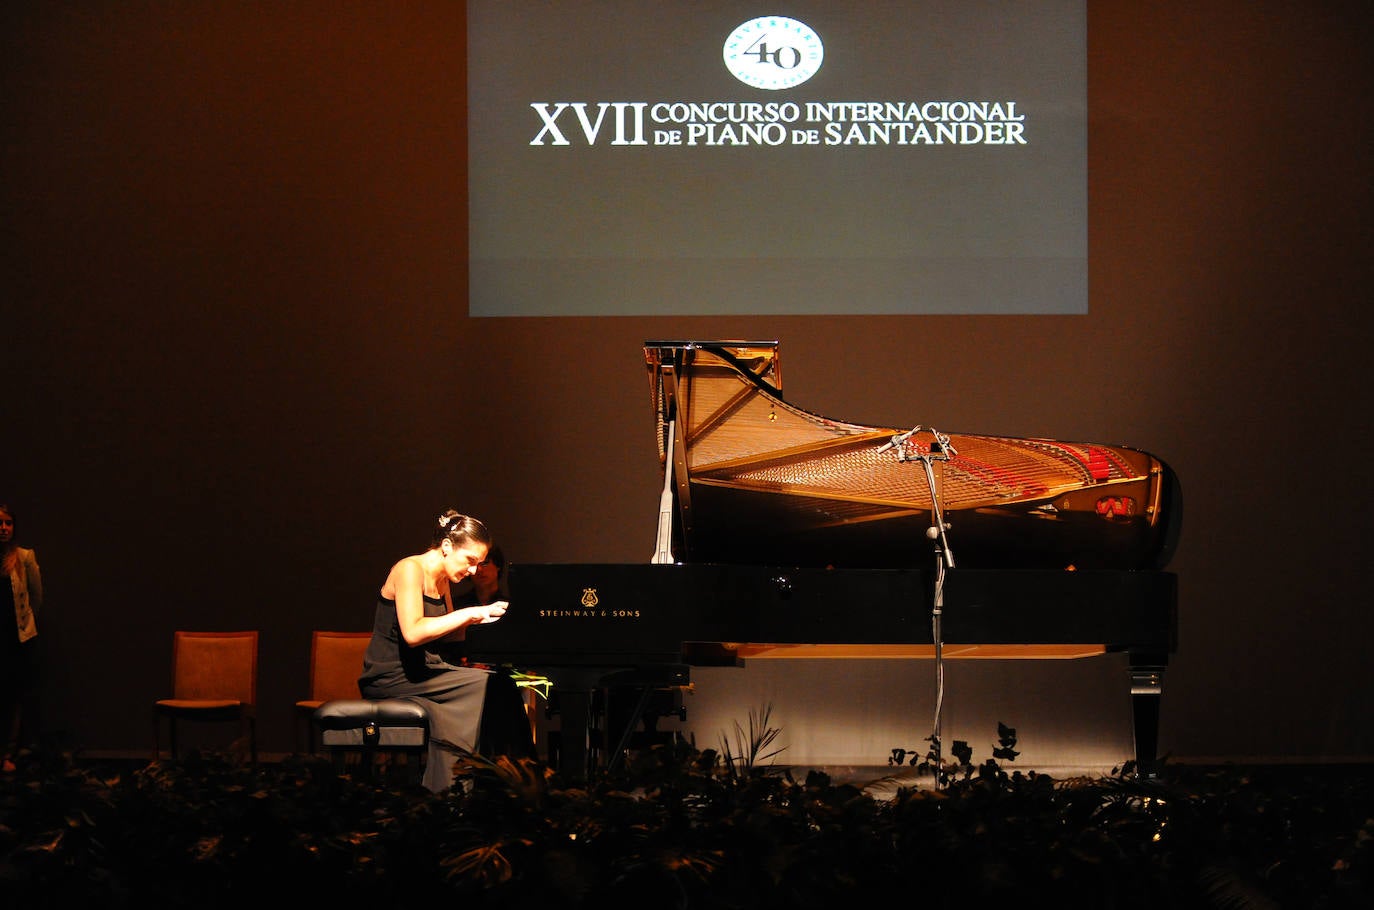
(336, 662)
(214, 680)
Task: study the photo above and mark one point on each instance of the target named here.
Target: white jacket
(27, 584)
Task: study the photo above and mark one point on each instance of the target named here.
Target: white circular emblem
(773, 52)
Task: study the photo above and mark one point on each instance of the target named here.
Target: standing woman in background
(21, 597)
(417, 649)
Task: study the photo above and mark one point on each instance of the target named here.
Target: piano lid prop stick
(663, 551)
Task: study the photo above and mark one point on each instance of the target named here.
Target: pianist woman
(416, 652)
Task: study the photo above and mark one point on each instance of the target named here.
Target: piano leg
(577, 689)
(1147, 682)
(575, 730)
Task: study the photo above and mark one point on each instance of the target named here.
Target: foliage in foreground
(680, 828)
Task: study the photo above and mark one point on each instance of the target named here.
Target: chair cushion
(204, 709)
(198, 704)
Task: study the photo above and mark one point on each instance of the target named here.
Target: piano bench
(356, 731)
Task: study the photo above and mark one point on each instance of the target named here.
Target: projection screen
(708, 158)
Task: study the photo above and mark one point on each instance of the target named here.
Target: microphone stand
(939, 450)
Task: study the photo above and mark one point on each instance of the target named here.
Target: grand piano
(783, 533)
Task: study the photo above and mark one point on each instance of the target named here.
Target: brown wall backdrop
(239, 377)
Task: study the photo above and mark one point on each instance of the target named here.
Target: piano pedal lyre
(624, 713)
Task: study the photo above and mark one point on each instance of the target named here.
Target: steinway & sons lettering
(589, 614)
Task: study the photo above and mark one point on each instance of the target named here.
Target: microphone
(897, 440)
